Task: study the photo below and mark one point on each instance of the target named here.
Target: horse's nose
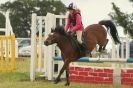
(46, 43)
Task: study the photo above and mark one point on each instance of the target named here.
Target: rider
(74, 21)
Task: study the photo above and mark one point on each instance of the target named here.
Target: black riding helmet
(72, 6)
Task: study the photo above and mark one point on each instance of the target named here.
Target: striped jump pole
(86, 59)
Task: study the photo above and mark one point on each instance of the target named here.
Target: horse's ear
(52, 29)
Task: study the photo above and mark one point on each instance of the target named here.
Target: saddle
(80, 48)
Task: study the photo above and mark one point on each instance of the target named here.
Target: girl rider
(74, 21)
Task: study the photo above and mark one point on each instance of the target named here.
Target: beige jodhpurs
(79, 36)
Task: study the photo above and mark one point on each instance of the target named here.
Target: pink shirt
(78, 26)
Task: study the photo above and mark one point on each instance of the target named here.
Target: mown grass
(20, 79)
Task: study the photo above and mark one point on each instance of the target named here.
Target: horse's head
(51, 39)
(54, 36)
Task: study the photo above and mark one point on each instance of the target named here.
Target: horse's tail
(113, 31)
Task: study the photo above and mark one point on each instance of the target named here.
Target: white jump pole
(40, 43)
(33, 47)
(48, 57)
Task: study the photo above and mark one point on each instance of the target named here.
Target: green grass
(46, 85)
(20, 79)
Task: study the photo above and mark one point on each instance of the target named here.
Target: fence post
(49, 23)
(127, 47)
(40, 43)
(33, 47)
(13, 51)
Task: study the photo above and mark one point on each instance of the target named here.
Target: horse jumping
(92, 35)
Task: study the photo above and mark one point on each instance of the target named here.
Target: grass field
(20, 79)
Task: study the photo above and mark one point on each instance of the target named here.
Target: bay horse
(92, 35)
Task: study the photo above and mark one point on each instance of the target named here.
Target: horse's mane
(60, 30)
(72, 40)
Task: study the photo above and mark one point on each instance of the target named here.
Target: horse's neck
(63, 43)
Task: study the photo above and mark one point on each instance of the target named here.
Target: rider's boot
(83, 46)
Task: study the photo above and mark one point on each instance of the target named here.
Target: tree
(2, 23)
(123, 19)
(21, 10)
(2, 19)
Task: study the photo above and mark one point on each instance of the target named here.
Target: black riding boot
(83, 46)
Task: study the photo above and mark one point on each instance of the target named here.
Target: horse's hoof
(67, 84)
(56, 81)
(104, 51)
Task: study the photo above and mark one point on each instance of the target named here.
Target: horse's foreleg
(61, 71)
(58, 77)
(67, 76)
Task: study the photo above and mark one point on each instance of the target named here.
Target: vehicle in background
(22, 42)
(26, 51)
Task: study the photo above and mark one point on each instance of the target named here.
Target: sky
(93, 11)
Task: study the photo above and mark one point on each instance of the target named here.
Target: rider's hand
(73, 33)
(69, 31)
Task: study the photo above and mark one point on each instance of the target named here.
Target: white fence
(50, 22)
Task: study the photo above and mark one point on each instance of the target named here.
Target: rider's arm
(67, 24)
(78, 23)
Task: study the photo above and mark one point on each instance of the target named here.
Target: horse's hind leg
(100, 49)
(105, 44)
(90, 55)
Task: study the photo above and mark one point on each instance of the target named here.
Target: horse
(92, 35)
